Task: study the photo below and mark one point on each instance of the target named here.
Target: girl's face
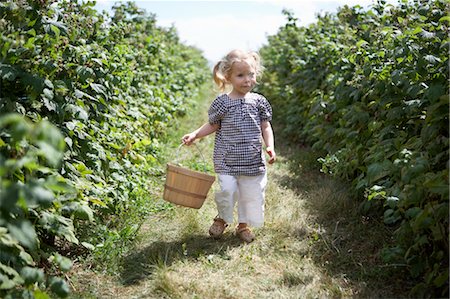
(242, 78)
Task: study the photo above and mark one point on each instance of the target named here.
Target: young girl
(241, 119)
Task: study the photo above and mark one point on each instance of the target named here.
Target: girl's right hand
(188, 139)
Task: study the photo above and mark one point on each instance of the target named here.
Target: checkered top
(238, 143)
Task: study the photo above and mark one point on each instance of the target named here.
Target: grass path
(315, 244)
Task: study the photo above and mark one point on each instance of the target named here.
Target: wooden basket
(186, 187)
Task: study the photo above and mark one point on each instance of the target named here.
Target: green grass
(315, 242)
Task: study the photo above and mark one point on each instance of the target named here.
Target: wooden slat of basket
(184, 192)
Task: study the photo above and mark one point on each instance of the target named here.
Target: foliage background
(85, 100)
(370, 90)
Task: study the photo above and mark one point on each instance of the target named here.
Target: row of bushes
(370, 88)
(85, 99)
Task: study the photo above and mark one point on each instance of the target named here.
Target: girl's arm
(267, 134)
(203, 131)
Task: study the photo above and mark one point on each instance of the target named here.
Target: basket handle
(201, 154)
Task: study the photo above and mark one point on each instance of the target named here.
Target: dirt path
(305, 249)
(315, 244)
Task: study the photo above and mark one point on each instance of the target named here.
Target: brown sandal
(217, 228)
(245, 234)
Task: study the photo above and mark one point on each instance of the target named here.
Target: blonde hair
(222, 69)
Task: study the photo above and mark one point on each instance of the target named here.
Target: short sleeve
(265, 110)
(216, 111)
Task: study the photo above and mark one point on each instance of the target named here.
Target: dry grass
(314, 244)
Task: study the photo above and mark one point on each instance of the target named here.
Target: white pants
(248, 192)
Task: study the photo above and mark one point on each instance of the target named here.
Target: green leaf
(432, 59)
(50, 142)
(38, 294)
(71, 125)
(82, 169)
(437, 183)
(24, 232)
(79, 94)
(18, 126)
(8, 270)
(6, 283)
(392, 201)
(391, 216)
(80, 210)
(416, 266)
(376, 171)
(421, 222)
(58, 184)
(64, 263)
(49, 104)
(98, 88)
(50, 153)
(9, 277)
(7, 72)
(10, 196)
(85, 212)
(32, 22)
(25, 256)
(78, 112)
(48, 94)
(444, 19)
(32, 275)
(361, 43)
(88, 245)
(50, 134)
(58, 225)
(55, 30)
(49, 84)
(413, 212)
(69, 142)
(85, 73)
(37, 195)
(59, 287)
(417, 30)
(441, 279)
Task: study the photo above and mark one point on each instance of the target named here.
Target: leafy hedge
(370, 88)
(84, 100)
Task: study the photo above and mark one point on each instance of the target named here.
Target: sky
(217, 27)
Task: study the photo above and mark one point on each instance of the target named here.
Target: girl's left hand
(272, 155)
